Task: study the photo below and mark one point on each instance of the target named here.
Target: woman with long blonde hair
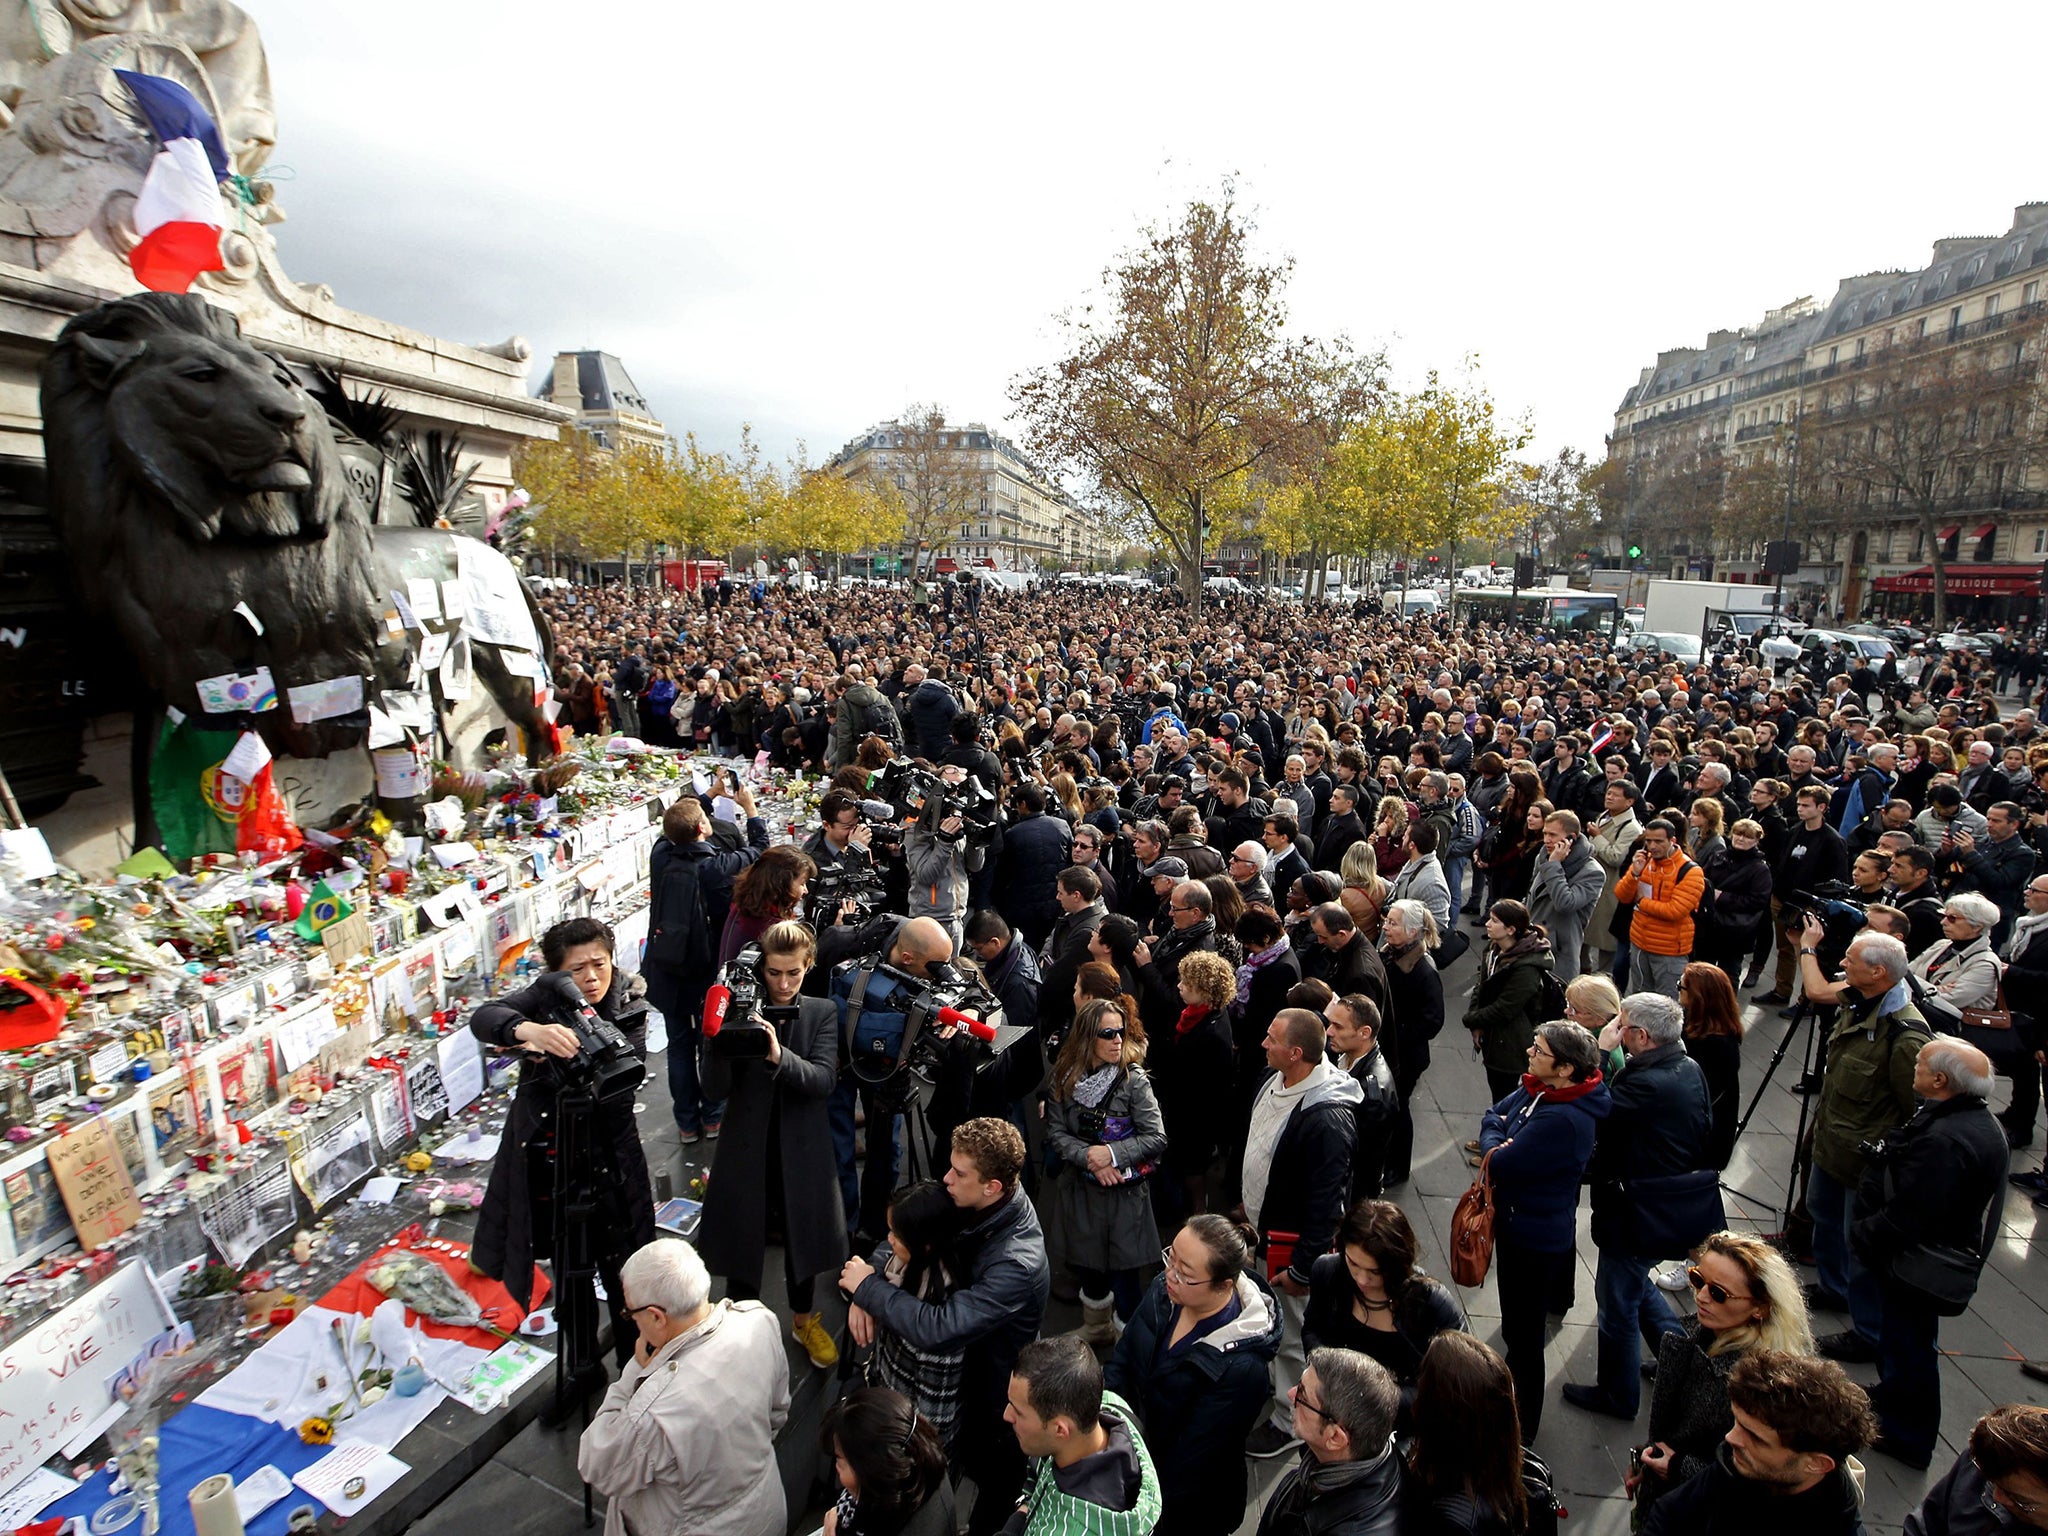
(1748, 1299)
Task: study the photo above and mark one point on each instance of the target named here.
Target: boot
(1099, 1328)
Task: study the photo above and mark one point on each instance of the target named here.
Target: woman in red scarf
(1536, 1143)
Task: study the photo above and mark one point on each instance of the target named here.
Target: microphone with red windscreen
(716, 1001)
(981, 1030)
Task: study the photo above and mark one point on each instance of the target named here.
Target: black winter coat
(516, 1223)
(792, 1096)
(1369, 1503)
(1199, 1403)
(1425, 1310)
(1741, 887)
(1308, 1188)
(1375, 1116)
(1688, 1410)
(1415, 998)
(1721, 1502)
(930, 710)
(1268, 995)
(1935, 1184)
(1066, 951)
(1659, 1123)
(1194, 1076)
(689, 884)
(1159, 1001)
(1035, 850)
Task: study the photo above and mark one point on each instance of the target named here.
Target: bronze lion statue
(191, 477)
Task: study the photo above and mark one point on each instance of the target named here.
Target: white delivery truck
(1713, 610)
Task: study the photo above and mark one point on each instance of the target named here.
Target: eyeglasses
(1238, 858)
(2025, 1508)
(1178, 1275)
(649, 1307)
(1719, 1295)
(1302, 1399)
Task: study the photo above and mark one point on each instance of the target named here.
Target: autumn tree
(1561, 502)
(1460, 458)
(1180, 381)
(933, 475)
(819, 512)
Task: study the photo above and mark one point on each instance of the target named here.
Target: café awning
(1986, 531)
(1948, 533)
(1972, 580)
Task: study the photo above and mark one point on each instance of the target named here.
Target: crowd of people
(1219, 870)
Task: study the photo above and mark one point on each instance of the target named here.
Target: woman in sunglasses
(1748, 1298)
(1104, 1134)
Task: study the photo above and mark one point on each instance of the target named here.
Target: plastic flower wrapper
(425, 1287)
(152, 1390)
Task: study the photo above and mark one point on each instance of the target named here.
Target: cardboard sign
(346, 939)
(53, 1379)
(94, 1182)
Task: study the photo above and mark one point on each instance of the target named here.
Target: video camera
(733, 1011)
(909, 787)
(605, 1065)
(854, 880)
(896, 1036)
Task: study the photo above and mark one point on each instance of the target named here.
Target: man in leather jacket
(516, 1224)
(1353, 1032)
(1348, 1482)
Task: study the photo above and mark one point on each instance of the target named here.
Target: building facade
(608, 405)
(975, 499)
(1903, 414)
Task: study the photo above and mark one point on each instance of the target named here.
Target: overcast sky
(805, 217)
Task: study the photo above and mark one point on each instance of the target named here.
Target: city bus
(1556, 608)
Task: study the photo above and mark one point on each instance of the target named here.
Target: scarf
(1189, 1018)
(2022, 931)
(1536, 1088)
(1094, 1088)
(1253, 965)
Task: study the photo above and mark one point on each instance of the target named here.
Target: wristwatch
(1809, 951)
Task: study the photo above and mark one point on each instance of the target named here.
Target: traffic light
(1635, 551)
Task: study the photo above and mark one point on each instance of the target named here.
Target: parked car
(1646, 642)
(1810, 646)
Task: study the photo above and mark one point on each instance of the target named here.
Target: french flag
(178, 210)
(1603, 733)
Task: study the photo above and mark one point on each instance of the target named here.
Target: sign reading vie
(53, 1379)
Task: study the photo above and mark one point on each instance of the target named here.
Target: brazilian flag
(323, 910)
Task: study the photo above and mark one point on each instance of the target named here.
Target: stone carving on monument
(174, 516)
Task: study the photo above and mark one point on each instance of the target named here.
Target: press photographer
(775, 1062)
(940, 853)
(597, 1057)
(895, 1044)
(848, 887)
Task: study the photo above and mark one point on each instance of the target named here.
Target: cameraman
(774, 1168)
(517, 1222)
(939, 856)
(690, 883)
(873, 1007)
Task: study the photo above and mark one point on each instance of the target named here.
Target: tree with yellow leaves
(1460, 462)
(820, 512)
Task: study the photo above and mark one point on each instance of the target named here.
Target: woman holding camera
(1104, 1128)
(774, 1167)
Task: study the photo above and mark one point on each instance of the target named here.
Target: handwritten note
(95, 1184)
(462, 1068)
(53, 1379)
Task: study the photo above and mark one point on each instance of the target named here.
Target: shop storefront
(1980, 593)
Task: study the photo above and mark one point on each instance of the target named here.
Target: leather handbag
(1471, 1236)
(1998, 1016)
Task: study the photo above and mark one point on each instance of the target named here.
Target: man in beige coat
(684, 1443)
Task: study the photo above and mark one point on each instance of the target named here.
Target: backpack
(880, 719)
(1548, 1003)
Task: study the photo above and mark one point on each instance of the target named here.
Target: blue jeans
(685, 1082)
(1833, 1207)
(1454, 877)
(866, 1193)
(1629, 1305)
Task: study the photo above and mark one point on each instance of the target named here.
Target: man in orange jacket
(1667, 888)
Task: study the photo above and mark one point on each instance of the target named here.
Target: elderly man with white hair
(1938, 1188)
(1655, 1191)
(685, 1439)
(1866, 1094)
(1247, 870)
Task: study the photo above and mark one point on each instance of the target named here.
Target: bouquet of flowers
(425, 1287)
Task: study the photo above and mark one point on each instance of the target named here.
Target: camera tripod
(582, 1168)
(1806, 1020)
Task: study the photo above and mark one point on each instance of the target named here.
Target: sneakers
(817, 1342)
(689, 1138)
(2033, 1183)
(1671, 1277)
(712, 1128)
(1270, 1440)
(1848, 1346)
